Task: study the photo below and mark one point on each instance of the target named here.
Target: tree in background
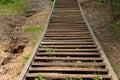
(114, 8)
(111, 9)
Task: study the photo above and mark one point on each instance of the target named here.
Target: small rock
(114, 48)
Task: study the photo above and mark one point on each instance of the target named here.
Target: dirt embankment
(99, 21)
(15, 43)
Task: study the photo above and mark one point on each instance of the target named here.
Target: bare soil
(15, 43)
(100, 22)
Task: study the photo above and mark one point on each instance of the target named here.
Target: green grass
(34, 31)
(114, 67)
(18, 7)
(116, 70)
(116, 23)
(116, 4)
(116, 29)
(5, 2)
(26, 57)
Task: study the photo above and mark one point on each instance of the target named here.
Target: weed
(41, 46)
(68, 78)
(40, 77)
(80, 79)
(117, 21)
(50, 51)
(77, 62)
(98, 78)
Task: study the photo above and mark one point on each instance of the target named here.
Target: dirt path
(98, 20)
(15, 44)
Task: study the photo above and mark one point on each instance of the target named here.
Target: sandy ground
(12, 63)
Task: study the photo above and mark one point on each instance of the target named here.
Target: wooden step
(88, 59)
(67, 21)
(70, 46)
(67, 69)
(63, 32)
(86, 64)
(70, 50)
(68, 43)
(68, 27)
(66, 24)
(68, 38)
(70, 54)
(66, 35)
(82, 40)
(67, 31)
(64, 76)
(69, 17)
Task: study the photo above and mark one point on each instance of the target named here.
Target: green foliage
(103, 1)
(96, 78)
(68, 78)
(116, 29)
(40, 77)
(117, 22)
(116, 4)
(5, 2)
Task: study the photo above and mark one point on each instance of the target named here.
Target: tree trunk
(111, 9)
